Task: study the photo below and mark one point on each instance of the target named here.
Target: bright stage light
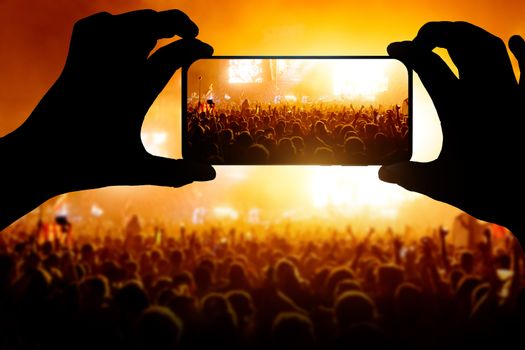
(96, 211)
(354, 191)
(198, 215)
(225, 213)
(362, 78)
(290, 70)
(245, 71)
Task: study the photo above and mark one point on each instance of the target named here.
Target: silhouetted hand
(481, 116)
(85, 133)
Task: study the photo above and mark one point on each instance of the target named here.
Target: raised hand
(480, 113)
(85, 133)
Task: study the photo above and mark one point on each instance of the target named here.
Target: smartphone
(291, 110)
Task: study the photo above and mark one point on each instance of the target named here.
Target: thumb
(162, 171)
(414, 176)
(163, 63)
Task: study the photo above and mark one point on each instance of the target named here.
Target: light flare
(225, 213)
(155, 142)
(362, 78)
(353, 192)
(245, 71)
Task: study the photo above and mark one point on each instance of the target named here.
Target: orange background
(34, 37)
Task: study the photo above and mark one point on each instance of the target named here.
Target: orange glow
(245, 71)
(155, 142)
(294, 27)
(355, 192)
(363, 79)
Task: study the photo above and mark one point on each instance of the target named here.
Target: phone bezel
(184, 105)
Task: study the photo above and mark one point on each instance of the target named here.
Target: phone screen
(297, 110)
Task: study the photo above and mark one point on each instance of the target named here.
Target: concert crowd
(278, 287)
(297, 133)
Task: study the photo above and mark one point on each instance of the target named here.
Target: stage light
(291, 70)
(362, 78)
(198, 215)
(225, 213)
(245, 71)
(355, 192)
(96, 211)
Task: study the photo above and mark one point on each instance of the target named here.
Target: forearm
(444, 253)
(444, 257)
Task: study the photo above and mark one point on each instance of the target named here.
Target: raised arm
(443, 232)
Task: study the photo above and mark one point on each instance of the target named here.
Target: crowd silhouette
(284, 288)
(296, 133)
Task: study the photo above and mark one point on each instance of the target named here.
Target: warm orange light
(354, 191)
(362, 78)
(294, 27)
(245, 71)
(155, 141)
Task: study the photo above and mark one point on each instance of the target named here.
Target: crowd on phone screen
(281, 287)
(296, 133)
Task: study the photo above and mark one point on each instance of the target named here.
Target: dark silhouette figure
(316, 135)
(272, 291)
(480, 111)
(89, 122)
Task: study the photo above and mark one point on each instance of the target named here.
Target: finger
(413, 176)
(166, 60)
(164, 24)
(454, 35)
(479, 55)
(434, 179)
(162, 171)
(517, 46)
(436, 76)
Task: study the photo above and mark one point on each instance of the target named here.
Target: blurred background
(34, 39)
